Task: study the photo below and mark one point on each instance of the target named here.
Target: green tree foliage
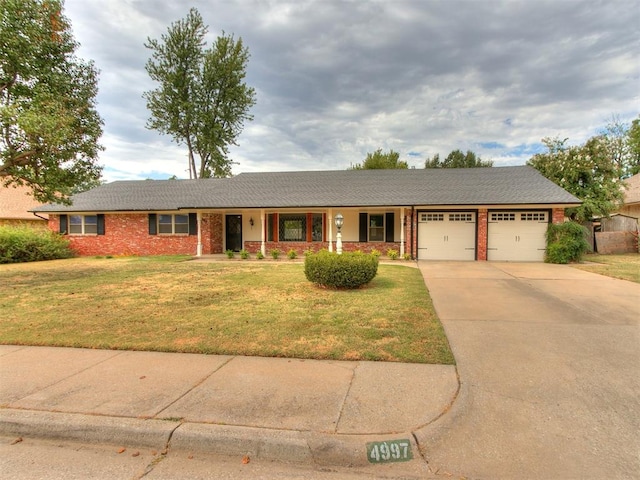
(588, 172)
(48, 120)
(202, 100)
(381, 161)
(633, 141)
(457, 159)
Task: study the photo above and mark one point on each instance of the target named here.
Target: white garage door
(517, 236)
(447, 236)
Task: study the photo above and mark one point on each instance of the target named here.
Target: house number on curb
(389, 451)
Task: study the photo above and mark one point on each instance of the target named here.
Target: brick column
(558, 215)
(482, 234)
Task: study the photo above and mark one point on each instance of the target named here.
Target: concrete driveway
(549, 365)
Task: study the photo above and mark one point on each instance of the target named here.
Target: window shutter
(100, 225)
(363, 227)
(153, 224)
(64, 225)
(193, 224)
(388, 227)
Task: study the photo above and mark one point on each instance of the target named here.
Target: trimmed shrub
(24, 244)
(230, 253)
(275, 253)
(291, 254)
(393, 254)
(244, 254)
(565, 243)
(349, 270)
(259, 255)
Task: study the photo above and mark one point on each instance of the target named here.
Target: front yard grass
(232, 308)
(625, 266)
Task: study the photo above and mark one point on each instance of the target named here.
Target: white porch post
(199, 247)
(402, 227)
(330, 221)
(263, 229)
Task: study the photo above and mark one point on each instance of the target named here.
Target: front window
(173, 224)
(316, 232)
(83, 224)
(293, 228)
(376, 228)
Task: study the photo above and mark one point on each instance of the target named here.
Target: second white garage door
(447, 236)
(517, 236)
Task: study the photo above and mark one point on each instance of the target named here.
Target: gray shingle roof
(345, 188)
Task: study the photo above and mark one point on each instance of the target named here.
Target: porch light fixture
(251, 222)
(339, 222)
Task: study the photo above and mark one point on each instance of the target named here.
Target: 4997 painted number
(389, 451)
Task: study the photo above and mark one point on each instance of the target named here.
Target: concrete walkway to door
(549, 365)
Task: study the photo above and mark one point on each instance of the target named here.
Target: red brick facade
(128, 234)
(481, 251)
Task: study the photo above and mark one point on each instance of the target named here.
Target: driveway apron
(549, 364)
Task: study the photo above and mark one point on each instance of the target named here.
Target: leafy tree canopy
(48, 120)
(379, 161)
(202, 100)
(457, 159)
(589, 172)
(633, 142)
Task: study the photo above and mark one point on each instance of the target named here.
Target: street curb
(93, 429)
(310, 448)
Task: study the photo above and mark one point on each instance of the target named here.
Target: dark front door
(234, 232)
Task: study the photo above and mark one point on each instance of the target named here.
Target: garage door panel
(517, 236)
(447, 236)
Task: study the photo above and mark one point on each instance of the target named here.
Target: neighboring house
(631, 202)
(498, 213)
(16, 205)
(618, 233)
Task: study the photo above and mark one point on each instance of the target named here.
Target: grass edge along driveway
(231, 308)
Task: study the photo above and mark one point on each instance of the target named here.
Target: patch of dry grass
(623, 266)
(238, 308)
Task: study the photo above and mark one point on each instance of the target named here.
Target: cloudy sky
(337, 79)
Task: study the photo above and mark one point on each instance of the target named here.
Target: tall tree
(49, 124)
(457, 159)
(202, 100)
(633, 142)
(379, 161)
(587, 171)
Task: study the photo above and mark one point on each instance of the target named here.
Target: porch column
(263, 234)
(402, 232)
(330, 220)
(199, 247)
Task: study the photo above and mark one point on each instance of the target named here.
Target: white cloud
(337, 79)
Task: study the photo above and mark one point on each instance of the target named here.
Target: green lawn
(236, 307)
(624, 266)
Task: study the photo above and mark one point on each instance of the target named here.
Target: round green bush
(349, 270)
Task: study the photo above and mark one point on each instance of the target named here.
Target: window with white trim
(376, 228)
(173, 224)
(83, 224)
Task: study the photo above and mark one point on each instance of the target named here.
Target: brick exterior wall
(300, 247)
(557, 216)
(128, 234)
(483, 232)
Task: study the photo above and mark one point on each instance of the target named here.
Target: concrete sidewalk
(302, 411)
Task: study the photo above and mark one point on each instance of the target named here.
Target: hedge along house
(498, 213)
